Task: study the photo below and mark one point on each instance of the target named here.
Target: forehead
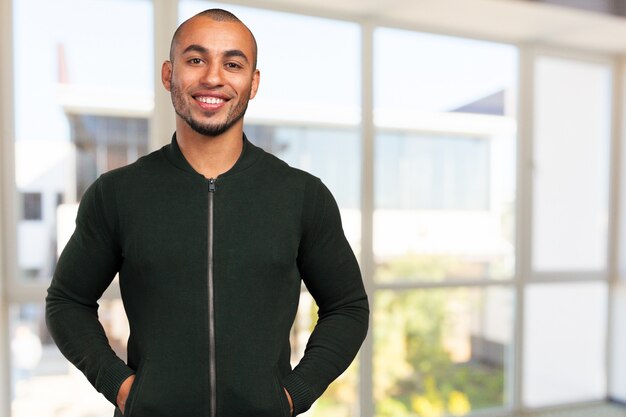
(214, 35)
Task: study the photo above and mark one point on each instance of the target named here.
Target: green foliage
(415, 372)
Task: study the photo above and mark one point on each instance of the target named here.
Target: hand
(122, 394)
(290, 401)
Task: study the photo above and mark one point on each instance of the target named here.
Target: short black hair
(218, 15)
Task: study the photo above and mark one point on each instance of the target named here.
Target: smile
(210, 100)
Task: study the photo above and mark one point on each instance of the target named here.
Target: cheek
(180, 80)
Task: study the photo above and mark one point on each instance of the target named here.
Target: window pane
(445, 157)
(44, 383)
(305, 76)
(571, 165)
(71, 122)
(422, 73)
(441, 351)
(31, 206)
(428, 172)
(444, 208)
(565, 343)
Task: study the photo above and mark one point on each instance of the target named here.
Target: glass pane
(445, 158)
(422, 172)
(444, 207)
(441, 351)
(572, 117)
(304, 75)
(565, 343)
(422, 73)
(37, 366)
(88, 78)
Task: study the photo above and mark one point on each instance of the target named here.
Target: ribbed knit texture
(113, 377)
(300, 393)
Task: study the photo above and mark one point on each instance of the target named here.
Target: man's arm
(330, 271)
(85, 269)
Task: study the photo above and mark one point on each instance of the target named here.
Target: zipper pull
(212, 185)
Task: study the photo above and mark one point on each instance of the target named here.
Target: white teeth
(210, 100)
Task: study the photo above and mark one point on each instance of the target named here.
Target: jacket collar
(249, 155)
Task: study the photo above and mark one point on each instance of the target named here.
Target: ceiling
(513, 21)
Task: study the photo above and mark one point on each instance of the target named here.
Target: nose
(213, 75)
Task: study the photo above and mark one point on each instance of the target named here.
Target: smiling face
(211, 75)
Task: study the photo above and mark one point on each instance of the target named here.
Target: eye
(195, 61)
(233, 65)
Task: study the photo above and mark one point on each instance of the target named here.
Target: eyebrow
(196, 48)
(229, 53)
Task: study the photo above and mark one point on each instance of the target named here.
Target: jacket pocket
(135, 389)
(282, 396)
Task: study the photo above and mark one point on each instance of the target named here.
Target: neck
(210, 155)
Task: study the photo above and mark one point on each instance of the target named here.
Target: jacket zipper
(212, 372)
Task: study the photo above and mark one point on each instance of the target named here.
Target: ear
(166, 75)
(256, 78)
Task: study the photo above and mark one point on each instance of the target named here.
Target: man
(211, 237)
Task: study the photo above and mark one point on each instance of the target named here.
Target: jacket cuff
(109, 384)
(300, 393)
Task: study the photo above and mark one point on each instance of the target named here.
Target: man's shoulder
(148, 163)
(282, 169)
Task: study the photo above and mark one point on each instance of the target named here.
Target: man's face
(211, 77)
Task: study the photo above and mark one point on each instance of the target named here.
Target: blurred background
(475, 148)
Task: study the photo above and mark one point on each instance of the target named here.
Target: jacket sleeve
(330, 271)
(85, 269)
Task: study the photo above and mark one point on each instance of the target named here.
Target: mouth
(210, 102)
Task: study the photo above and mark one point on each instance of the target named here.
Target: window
(332, 154)
(571, 156)
(32, 206)
(444, 158)
(90, 116)
(104, 143)
(422, 172)
(444, 199)
(571, 147)
(42, 379)
(559, 317)
(441, 351)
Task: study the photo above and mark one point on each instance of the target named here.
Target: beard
(183, 110)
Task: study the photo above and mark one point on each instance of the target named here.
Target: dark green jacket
(210, 275)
